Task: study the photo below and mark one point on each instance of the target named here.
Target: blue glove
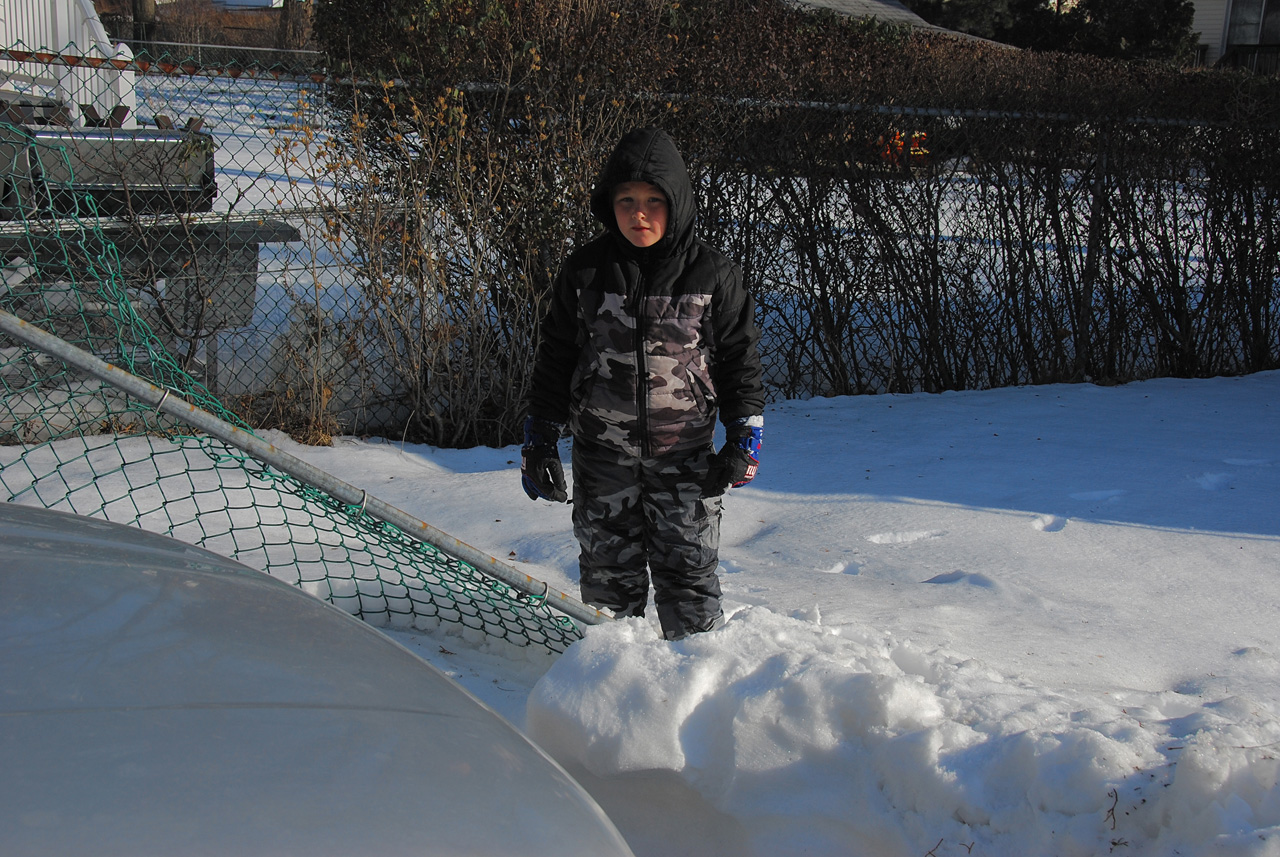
(738, 460)
(541, 473)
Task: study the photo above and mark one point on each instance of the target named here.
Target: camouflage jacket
(640, 349)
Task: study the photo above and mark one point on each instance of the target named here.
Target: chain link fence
(323, 263)
(119, 275)
(159, 222)
(205, 181)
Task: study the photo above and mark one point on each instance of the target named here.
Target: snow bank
(819, 742)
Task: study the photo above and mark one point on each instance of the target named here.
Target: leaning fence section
(68, 440)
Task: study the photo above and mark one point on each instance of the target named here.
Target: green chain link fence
(149, 276)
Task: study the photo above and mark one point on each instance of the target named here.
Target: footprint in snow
(1049, 523)
(973, 579)
(1258, 656)
(841, 568)
(1212, 481)
(903, 538)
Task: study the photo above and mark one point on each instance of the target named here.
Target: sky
(1028, 621)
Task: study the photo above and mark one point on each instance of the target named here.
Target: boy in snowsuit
(649, 335)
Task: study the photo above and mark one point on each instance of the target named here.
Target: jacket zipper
(642, 374)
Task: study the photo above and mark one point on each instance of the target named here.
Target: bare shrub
(912, 211)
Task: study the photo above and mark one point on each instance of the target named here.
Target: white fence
(72, 29)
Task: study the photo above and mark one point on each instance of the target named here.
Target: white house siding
(1210, 23)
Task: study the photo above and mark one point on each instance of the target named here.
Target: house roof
(889, 11)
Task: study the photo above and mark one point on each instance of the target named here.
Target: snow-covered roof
(886, 10)
(889, 11)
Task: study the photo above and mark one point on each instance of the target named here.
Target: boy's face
(641, 211)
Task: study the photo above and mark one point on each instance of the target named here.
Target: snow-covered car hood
(156, 698)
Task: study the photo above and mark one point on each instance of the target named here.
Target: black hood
(648, 155)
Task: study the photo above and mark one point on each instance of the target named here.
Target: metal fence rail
(165, 401)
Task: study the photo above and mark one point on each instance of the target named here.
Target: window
(1270, 24)
(1246, 22)
(1254, 22)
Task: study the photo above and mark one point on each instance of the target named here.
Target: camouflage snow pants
(642, 518)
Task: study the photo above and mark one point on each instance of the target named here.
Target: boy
(649, 334)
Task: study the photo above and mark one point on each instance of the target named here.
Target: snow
(1031, 621)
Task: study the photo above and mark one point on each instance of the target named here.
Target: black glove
(738, 460)
(541, 473)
